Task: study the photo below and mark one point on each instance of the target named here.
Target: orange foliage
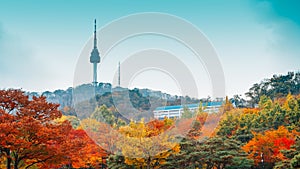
(85, 152)
(156, 127)
(267, 146)
(30, 137)
(28, 134)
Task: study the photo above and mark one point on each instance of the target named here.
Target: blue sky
(40, 41)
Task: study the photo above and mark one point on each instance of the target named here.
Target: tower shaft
(95, 74)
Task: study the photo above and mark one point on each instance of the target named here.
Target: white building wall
(177, 113)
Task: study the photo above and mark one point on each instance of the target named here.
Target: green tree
(229, 123)
(105, 115)
(186, 158)
(275, 87)
(220, 153)
(187, 113)
(214, 152)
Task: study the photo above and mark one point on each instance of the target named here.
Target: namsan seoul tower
(95, 57)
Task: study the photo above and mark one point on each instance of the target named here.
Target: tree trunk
(8, 159)
(16, 165)
(16, 162)
(148, 163)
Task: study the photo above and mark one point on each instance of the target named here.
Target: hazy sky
(41, 41)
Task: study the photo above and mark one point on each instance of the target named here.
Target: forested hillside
(82, 100)
(143, 99)
(35, 134)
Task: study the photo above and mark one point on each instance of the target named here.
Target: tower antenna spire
(95, 34)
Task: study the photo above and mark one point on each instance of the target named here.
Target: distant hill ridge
(83, 99)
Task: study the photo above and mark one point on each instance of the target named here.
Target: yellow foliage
(90, 124)
(291, 103)
(143, 148)
(72, 119)
(2, 162)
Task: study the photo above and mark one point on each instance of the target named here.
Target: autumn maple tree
(82, 151)
(29, 136)
(267, 147)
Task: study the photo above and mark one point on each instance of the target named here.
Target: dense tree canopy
(31, 135)
(275, 87)
(35, 134)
